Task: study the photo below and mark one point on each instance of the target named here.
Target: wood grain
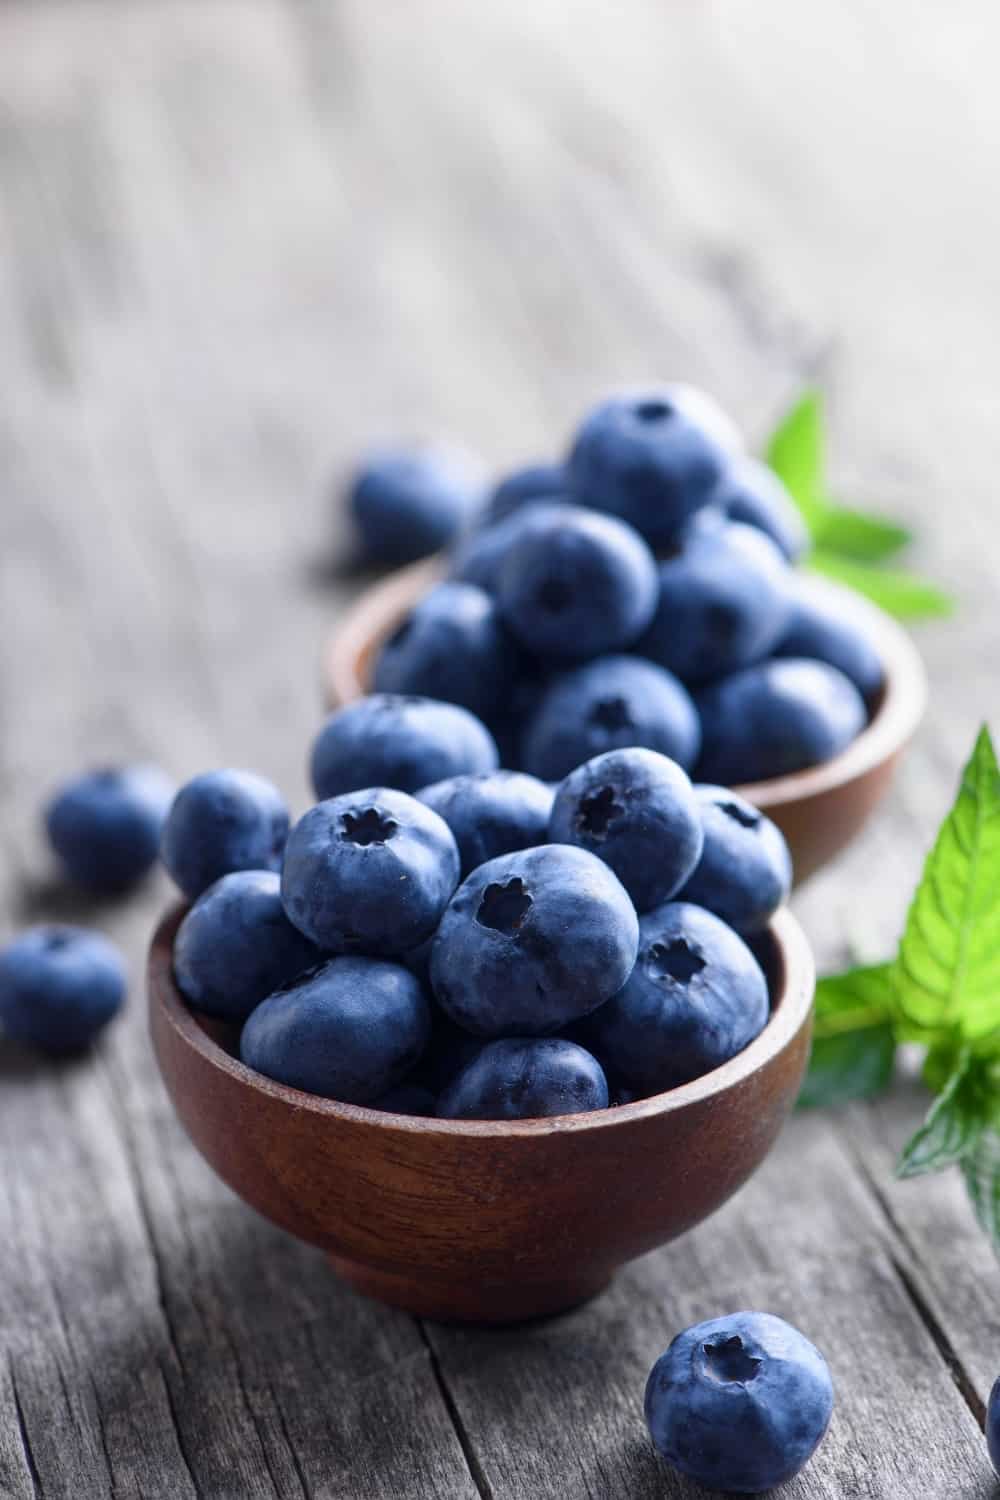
(238, 239)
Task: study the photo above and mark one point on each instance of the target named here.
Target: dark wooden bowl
(819, 810)
(484, 1221)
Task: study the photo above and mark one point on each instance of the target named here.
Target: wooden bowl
(484, 1221)
(819, 810)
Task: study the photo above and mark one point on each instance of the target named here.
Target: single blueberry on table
(521, 486)
(696, 997)
(492, 814)
(105, 826)
(993, 1426)
(650, 457)
(724, 601)
(479, 557)
(223, 821)
(407, 1099)
(59, 986)
(451, 646)
(236, 946)
(818, 631)
(575, 584)
(409, 502)
(751, 493)
(369, 872)
(739, 1403)
(775, 718)
(636, 810)
(526, 1079)
(392, 739)
(532, 940)
(745, 870)
(349, 1030)
(609, 704)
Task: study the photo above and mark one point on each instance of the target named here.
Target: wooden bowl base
(476, 1302)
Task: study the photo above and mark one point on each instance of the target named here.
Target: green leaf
(853, 1042)
(957, 1119)
(946, 978)
(901, 594)
(981, 1170)
(795, 453)
(853, 534)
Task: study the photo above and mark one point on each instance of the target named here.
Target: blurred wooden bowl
(484, 1221)
(819, 810)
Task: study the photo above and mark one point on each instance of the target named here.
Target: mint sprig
(848, 544)
(942, 989)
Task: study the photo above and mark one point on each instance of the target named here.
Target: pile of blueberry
(640, 593)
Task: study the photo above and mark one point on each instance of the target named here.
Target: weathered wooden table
(237, 239)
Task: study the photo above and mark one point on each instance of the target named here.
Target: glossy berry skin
(393, 739)
(409, 502)
(609, 704)
(636, 810)
(236, 946)
(724, 601)
(479, 557)
(751, 493)
(739, 1403)
(526, 1079)
(531, 941)
(105, 826)
(350, 1030)
(371, 872)
(696, 997)
(774, 718)
(451, 646)
(59, 986)
(223, 821)
(993, 1426)
(650, 457)
(575, 584)
(817, 631)
(521, 486)
(745, 870)
(492, 814)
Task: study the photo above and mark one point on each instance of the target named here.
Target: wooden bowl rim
(791, 1012)
(904, 699)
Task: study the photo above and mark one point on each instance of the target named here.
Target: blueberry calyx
(504, 907)
(747, 817)
(676, 960)
(611, 713)
(654, 410)
(728, 1362)
(368, 826)
(598, 811)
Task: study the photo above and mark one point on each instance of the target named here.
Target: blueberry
(371, 871)
(492, 814)
(651, 457)
(636, 810)
(407, 503)
(817, 631)
(236, 946)
(993, 1426)
(532, 940)
(745, 870)
(609, 704)
(739, 1403)
(695, 998)
(105, 826)
(223, 821)
(521, 486)
(775, 718)
(724, 601)
(753, 494)
(407, 1099)
(59, 986)
(391, 739)
(451, 646)
(350, 1030)
(526, 1079)
(574, 584)
(479, 559)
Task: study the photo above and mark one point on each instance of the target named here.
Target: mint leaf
(853, 1042)
(951, 1131)
(946, 977)
(901, 594)
(981, 1170)
(851, 533)
(795, 453)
